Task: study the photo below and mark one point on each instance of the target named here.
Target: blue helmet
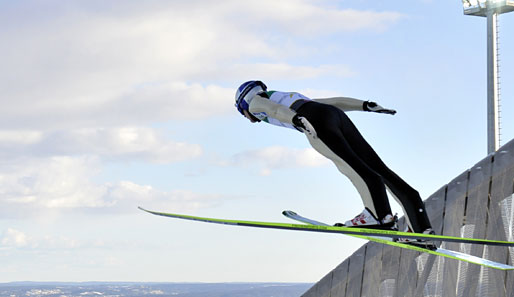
(246, 92)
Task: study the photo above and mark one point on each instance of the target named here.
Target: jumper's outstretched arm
(349, 104)
(343, 103)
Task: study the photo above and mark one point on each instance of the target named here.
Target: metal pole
(493, 139)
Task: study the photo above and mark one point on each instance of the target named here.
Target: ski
(438, 251)
(332, 229)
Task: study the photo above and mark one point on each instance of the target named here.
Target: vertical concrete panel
(325, 285)
(424, 270)
(453, 221)
(435, 209)
(506, 167)
(312, 292)
(430, 282)
(510, 274)
(476, 216)
(408, 275)
(372, 269)
(390, 262)
(340, 279)
(408, 271)
(501, 188)
(390, 267)
(355, 271)
(322, 288)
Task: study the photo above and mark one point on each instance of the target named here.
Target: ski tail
(291, 214)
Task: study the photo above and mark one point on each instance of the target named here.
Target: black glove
(304, 125)
(374, 107)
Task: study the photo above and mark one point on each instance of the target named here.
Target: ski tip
(289, 212)
(148, 211)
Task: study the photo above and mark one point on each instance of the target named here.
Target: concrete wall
(477, 203)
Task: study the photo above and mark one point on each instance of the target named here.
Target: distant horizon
(136, 282)
(134, 289)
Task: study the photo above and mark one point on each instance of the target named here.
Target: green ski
(438, 251)
(332, 229)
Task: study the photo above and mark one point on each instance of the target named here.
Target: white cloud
(83, 64)
(134, 104)
(14, 238)
(281, 70)
(277, 157)
(128, 194)
(15, 137)
(38, 186)
(175, 101)
(57, 182)
(311, 17)
(134, 143)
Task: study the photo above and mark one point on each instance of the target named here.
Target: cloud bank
(83, 83)
(67, 184)
(277, 157)
(85, 64)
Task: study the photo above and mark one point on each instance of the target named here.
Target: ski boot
(423, 243)
(367, 220)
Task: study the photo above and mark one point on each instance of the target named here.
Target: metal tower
(491, 9)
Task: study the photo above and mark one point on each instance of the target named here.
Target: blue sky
(110, 105)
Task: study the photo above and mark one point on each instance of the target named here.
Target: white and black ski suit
(339, 140)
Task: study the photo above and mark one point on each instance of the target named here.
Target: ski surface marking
(439, 251)
(332, 229)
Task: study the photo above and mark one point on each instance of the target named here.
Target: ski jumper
(339, 140)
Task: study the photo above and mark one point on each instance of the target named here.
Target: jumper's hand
(304, 125)
(374, 107)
